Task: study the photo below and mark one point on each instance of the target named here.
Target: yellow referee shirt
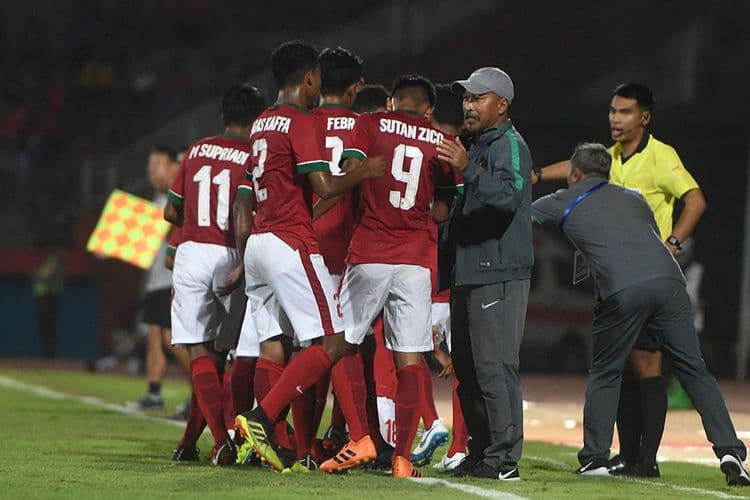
(657, 173)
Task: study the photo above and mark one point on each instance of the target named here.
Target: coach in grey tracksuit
(639, 286)
(490, 226)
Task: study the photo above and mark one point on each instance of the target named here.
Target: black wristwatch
(672, 240)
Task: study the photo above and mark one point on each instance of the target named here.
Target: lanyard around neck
(578, 200)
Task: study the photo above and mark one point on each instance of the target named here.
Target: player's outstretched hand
(454, 153)
(375, 166)
(233, 281)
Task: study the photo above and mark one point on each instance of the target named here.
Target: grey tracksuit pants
(662, 308)
(487, 324)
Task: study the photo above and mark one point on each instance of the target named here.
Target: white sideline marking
(686, 489)
(46, 392)
(467, 488)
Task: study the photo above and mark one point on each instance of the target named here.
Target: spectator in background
(49, 280)
(162, 168)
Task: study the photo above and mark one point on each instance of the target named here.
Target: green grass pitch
(69, 448)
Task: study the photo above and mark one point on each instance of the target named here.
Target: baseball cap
(485, 80)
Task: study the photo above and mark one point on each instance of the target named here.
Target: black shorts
(156, 308)
(646, 342)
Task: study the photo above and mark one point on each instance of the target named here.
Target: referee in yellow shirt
(644, 164)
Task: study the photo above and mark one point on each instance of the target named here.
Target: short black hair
(339, 69)
(417, 86)
(241, 104)
(449, 107)
(291, 60)
(592, 158)
(637, 91)
(370, 98)
(165, 149)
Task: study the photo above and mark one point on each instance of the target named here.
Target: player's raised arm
(328, 186)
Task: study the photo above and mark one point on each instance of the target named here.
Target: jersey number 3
(222, 179)
(410, 177)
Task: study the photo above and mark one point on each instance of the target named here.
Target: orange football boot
(353, 454)
(402, 467)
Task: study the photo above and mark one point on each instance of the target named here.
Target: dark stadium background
(87, 87)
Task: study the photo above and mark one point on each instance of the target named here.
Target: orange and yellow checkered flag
(130, 229)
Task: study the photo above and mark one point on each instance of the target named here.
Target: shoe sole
(262, 450)
(425, 458)
(733, 472)
(598, 472)
(345, 467)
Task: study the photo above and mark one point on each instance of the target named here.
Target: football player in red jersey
(341, 78)
(283, 265)
(371, 97)
(212, 175)
(448, 117)
(391, 249)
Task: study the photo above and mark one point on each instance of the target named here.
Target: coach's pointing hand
(454, 153)
(233, 281)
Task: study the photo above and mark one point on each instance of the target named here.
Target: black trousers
(487, 324)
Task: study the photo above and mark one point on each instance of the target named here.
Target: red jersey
(287, 144)
(211, 174)
(394, 220)
(445, 295)
(334, 229)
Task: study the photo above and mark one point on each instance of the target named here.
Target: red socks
(460, 433)
(267, 374)
(407, 408)
(207, 390)
(371, 403)
(243, 373)
(321, 398)
(194, 425)
(338, 421)
(303, 409)
(428, 410)
(302, 372)
(349, 383)
(226, 399)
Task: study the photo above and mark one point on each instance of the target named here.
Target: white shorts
(248, 345)
(277, 276)
(441, 319)
(401, 291)
(197, 311)
(307, 343)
